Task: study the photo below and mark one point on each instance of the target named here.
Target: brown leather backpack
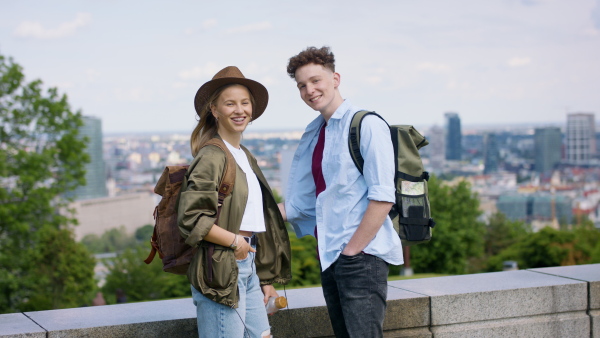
(166, 239)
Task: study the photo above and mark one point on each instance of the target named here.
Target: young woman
(248, 249)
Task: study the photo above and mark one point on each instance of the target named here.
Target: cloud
(433, 67)
(596, 15)
(62, 86)
(373, 80)
(209, 23)
(268, 81)
(206, 25)
(255, 27)
(529, 2)
(519, 61)
(199, 73)
(92, 74)
(135, 94)
(30, 29)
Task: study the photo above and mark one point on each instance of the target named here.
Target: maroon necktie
(317, 170)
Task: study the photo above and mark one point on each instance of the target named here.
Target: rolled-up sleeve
(198, 203)
(378, 152)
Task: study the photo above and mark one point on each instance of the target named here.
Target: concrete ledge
(549, 302)
(554, 325)
(497, 295)
(17, 325)
(148, 319)
(587, 273)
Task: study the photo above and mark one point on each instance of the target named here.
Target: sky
(138, 64)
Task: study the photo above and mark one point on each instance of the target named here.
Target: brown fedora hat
(229, 75)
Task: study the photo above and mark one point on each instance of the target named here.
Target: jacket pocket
(214, 276)
(219, 269)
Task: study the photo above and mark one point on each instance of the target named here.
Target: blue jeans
(250, 317)
(355, 290)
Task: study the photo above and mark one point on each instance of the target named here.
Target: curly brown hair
(320, 56)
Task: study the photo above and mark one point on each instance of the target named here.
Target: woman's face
(233, 109)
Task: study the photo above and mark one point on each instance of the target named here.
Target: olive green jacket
(197, 212)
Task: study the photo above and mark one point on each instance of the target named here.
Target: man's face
(318, 86)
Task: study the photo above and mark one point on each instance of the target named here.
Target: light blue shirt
(338, 210)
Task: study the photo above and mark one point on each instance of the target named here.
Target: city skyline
(138, 68)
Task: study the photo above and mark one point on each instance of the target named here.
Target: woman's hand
(269, 291)
(243, 248)
(281, 207)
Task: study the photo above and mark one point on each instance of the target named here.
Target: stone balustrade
(545, 302)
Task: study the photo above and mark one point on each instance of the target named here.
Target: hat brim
(259, 92)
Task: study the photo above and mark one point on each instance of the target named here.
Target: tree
(140, 281)
(551, 247)
(144, 233)
(41, 158)
(65, 276)
(305, 265)
(117, 239)
(502, 233)
(457, 236)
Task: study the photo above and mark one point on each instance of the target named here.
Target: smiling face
(233, 110)
(318, 87)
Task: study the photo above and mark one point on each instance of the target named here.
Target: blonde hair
(207, 126)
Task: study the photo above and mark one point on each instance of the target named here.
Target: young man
(347, 212)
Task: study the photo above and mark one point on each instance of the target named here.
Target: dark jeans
(355, 290)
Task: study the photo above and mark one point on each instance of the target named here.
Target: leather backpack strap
(153, 243)
(228, 179)
(225, 189)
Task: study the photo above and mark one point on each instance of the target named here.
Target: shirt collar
(338, 114)
(342, 110)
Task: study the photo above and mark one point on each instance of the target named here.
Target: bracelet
(234, 245)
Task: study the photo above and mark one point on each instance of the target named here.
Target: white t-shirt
(253, 219)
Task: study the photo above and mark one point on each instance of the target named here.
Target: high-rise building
(95, 176)
(452, 136)
(435, 150)
(581, 138)
(542, 206)
(491, 153)
(548, 148)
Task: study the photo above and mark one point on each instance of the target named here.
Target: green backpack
(411, 214)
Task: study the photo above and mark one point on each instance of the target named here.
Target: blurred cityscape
(545, 175)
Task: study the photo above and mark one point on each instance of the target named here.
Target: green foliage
(141, 281)
(112, 240)
(305, 265)
(306, 269)
(550, 247)
(42, 157)
(502, 233)
(278, 198)
(143, 234)
(64, 272)
(457, 236)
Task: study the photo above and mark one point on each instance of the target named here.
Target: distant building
(542, 205)
(548, 148)
(452, 136)
(285, 166)
(536, 207)
(95, 216)
(95, 176)
(491, 154)
(581, 138)
(435, 149)
(515, 207)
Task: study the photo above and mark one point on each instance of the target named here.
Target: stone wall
(546, 302)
